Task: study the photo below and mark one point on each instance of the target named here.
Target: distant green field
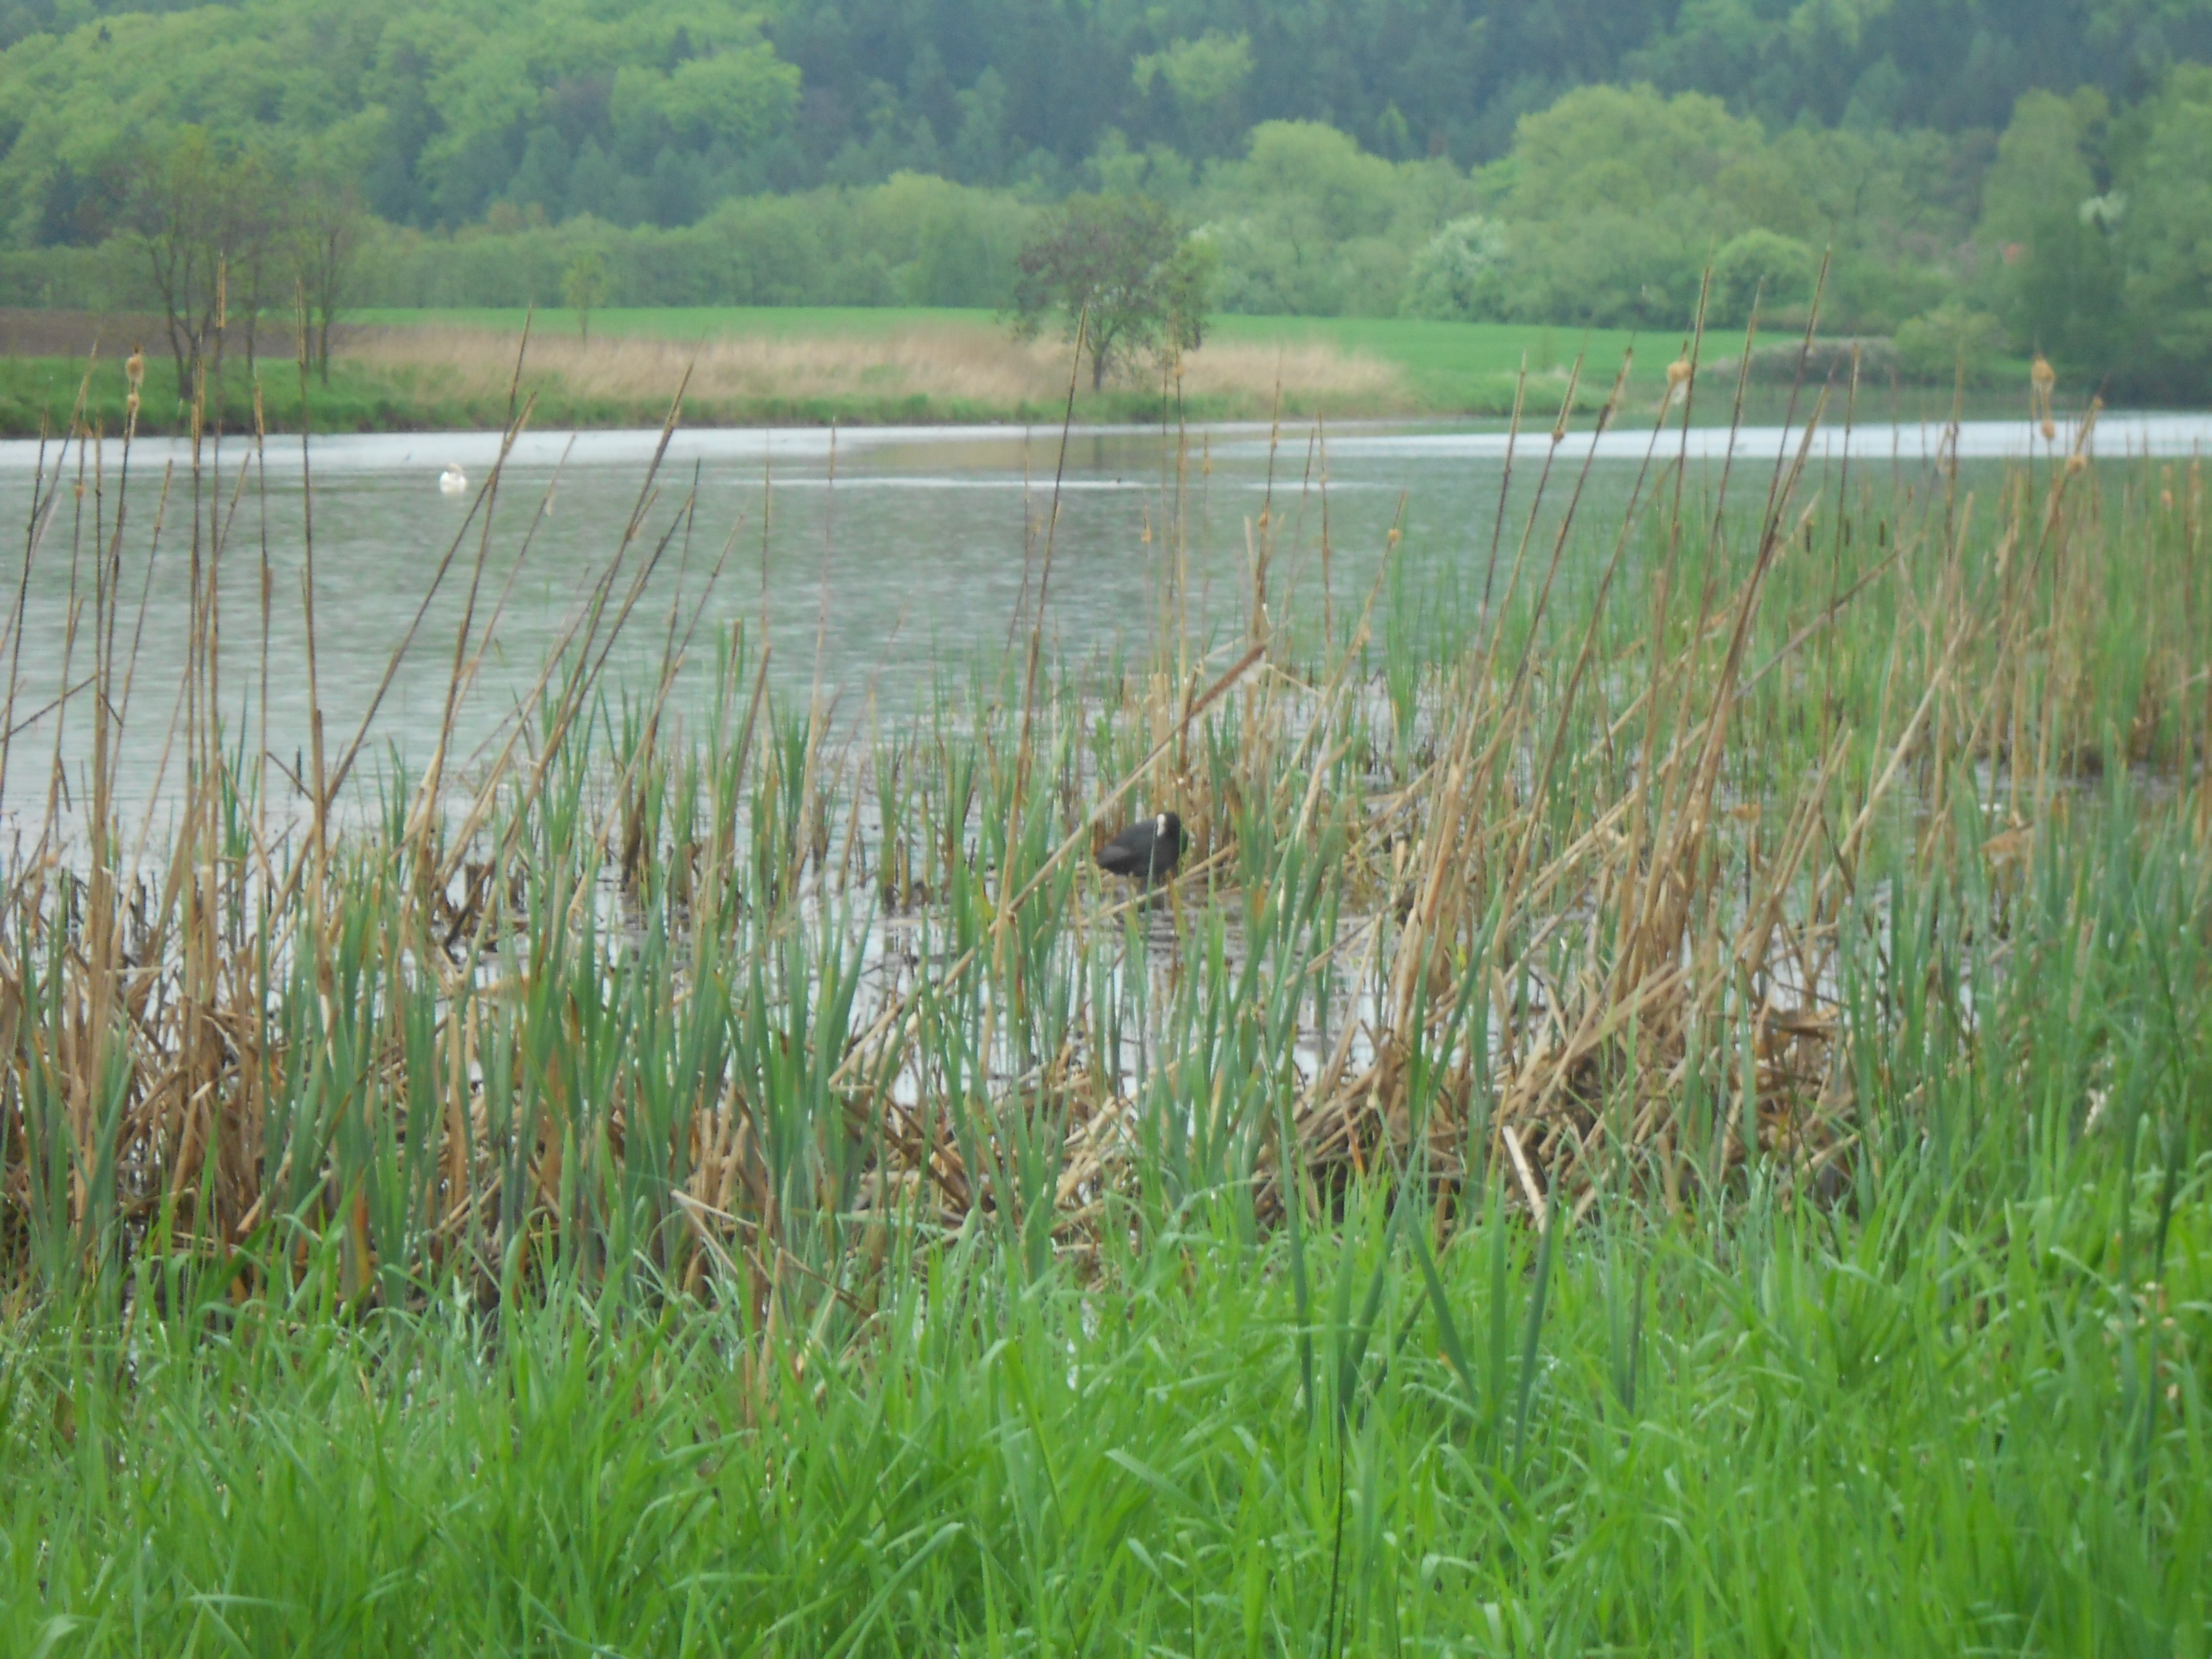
(1443, 360)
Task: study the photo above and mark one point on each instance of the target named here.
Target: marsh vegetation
(1663, 1107)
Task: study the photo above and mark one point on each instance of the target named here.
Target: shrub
(1459, 273)
(1776, 271)
(1953, 339)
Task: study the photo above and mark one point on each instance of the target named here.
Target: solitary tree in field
(1121, 268)
(584, 286)
(205, 217)
(327, 225)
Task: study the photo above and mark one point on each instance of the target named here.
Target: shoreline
(38, 399)
(2119, 434)
(450, 373)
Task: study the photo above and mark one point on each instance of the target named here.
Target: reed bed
(1617, 881)
(1800, 878)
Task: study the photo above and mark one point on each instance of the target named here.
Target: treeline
(478, 153)
(2078, 231)
(653, 112)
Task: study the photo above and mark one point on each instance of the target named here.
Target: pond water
(883, 561)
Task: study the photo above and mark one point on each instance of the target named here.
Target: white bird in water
(453, 481)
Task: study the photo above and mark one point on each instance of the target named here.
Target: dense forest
(1984, 174)
(647, 109)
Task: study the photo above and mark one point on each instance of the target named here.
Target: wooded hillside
(1985, 176)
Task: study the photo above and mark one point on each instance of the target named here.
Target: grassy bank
(444, 370)
(1665, 1112)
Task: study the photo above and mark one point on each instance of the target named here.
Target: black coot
(1147, 850)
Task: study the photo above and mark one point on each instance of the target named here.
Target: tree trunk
(167, 285)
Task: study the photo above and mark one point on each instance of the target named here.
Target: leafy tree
(1625, 147)
(978, 153)
(1205, 80)
(204, 219)
(326, 226)
(1456, 274)
(742, 96)
(584, 288)
(944, 245)
(1608, 268)
(1310, 224)
(1774, 270)
(1953, 339)
(1121, 271)
(2056, 279)
(2162, 238)
(2043, 163)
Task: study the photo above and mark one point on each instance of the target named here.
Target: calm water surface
(884, 561)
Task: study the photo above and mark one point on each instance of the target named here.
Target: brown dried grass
(952, 363)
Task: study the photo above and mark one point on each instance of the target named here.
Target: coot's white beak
(1160, 825)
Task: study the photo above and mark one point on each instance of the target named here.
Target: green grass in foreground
(1946, 1425)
